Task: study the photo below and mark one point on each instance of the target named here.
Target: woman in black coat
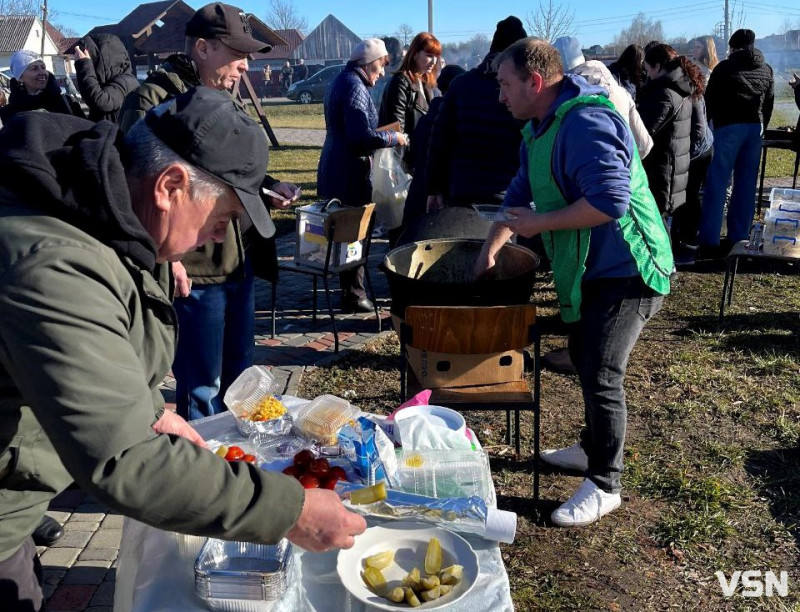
(408, 96)
(104, 74)
(665, 105)
(34, 88)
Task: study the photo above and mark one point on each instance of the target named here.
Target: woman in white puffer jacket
(596, 73)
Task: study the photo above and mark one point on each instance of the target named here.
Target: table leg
(761, 182)
(724, 290)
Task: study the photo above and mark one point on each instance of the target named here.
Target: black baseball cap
(205, 127)
(229, 25)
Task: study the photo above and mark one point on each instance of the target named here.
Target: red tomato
(293, 471)
(304, 458)
(338, 473)
(249, 458)
(309, 482)
(319, 467)
(234, 453)
(329, 483)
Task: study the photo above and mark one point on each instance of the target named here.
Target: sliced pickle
(444, 589)
(428, 582)
(411, 598)
(397, 595)
(374, 580)
(412, 579)
(452, 574)
(433, 557)
(431, 594)
(380, 561)
(368, 495)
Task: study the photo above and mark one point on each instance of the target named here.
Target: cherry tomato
(234, 453)
(249, 458)
(319, 468)
(304, 458)
(309, 482)
(338, 473)
(293, 471)
(329, 483)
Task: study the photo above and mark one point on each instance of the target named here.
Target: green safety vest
(642, 227)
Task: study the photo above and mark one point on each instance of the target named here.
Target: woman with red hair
(412, 87)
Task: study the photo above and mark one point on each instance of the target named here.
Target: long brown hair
(666, 57)
(428, 43)
(709, 57)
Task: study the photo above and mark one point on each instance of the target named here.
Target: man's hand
(524, 222)
(289, 193)
(795, 81)
(183, 284)
(80, 54)
(434, 203)
(402, 139)
(171, 423)
(324, 523)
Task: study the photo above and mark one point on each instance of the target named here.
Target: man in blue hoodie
(603, 234)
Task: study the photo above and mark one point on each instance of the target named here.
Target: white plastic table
(153, 575)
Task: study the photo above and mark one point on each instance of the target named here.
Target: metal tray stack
(242, 577)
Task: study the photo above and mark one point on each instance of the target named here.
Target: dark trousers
(686, 220)
(21, 580)
(613, 313)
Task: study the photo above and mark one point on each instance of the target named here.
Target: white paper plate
(410, 542)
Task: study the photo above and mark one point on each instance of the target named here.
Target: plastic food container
(782, 234)
(785, 202)
(491, 212)
(242, 577)
(244, 395)
(323, 417)
(436, 415)
(452, 473)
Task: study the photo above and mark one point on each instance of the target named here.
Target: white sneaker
(585, 507)
(570, 458)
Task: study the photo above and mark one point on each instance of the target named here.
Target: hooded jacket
(474, 143)
(665, 106)
(105, 77)
(596, 73)
(86, 336)
(50, 99)
(740, 90)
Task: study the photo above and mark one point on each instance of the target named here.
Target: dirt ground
(711, 475)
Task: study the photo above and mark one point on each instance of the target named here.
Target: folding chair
(342, 227)
(471, 357)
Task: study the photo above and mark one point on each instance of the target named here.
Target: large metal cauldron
(440, 273)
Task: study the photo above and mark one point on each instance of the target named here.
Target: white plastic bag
(389, 187)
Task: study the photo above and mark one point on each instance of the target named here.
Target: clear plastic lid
(452, 473)
(246, 394)
(323, 417)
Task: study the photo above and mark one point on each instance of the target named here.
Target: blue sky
(594, 22)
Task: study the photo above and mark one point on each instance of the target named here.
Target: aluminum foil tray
(242, 577)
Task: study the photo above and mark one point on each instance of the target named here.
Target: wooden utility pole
(727, 26)
(430, 16)
(44, 25)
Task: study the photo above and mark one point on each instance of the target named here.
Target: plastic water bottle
(756, 237)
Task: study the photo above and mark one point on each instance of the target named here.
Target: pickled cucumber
(221, 451)
(412, 579)
(444, 589)
(411, 598)
(433, 557)
(452, 574)
(374, 580)
(396, 595)
(431, 594)
(368, 495)
(428, 582)
(380, 561)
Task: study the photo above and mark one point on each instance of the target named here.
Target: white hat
(368, 51)
(21, 60)
(570, 50)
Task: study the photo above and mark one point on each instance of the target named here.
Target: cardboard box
(311, 246)
(434, 370)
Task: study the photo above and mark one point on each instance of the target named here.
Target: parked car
(313, 88)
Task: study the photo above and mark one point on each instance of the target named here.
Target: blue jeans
(737, 149)
(613, 313)
(216, 329)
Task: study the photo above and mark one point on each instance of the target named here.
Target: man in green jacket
(603, 234)
(215, 287)
(87, 330)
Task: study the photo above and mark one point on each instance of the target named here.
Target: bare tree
(405, 33)
(283, 15)
(19, 7)
(549, 22)
(641, 31)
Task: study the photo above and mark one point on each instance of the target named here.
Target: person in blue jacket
(603, 234)
(345, 166)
